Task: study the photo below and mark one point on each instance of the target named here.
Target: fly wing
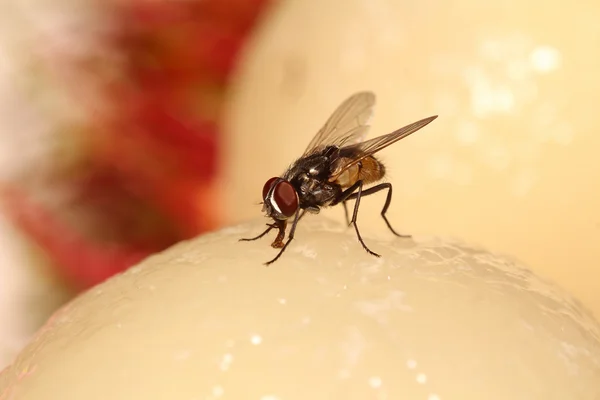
(349, 123)
(359, 151)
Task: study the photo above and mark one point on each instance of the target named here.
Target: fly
(335, 168)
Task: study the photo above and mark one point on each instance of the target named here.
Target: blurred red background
(141, 172)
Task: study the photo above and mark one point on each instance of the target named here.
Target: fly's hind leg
(388, 200)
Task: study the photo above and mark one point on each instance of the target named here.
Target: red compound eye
(267, 187)
(286, 198)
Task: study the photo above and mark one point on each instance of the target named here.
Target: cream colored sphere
(430, 320)
(512, 160)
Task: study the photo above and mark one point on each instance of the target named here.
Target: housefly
(335, 168)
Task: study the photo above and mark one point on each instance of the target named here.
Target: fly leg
(388, 200)
(278, 242)
(355, 192)
(270, 226)
(290, 236)
(346, 212)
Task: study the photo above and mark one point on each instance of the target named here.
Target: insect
(334, 168)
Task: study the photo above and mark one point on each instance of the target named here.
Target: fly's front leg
(350, 194)
(270, 226)
(278, 242)
(297, 217)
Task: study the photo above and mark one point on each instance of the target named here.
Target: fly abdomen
(370, 170)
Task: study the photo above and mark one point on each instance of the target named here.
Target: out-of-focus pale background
(28, 290)
(512, 161)
(510, 164)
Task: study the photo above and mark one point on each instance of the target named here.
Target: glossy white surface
(430, 320)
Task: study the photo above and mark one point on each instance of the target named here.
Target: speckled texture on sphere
(510, 163)
(430, 320)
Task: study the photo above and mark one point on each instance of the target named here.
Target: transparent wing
(359, 151)
(349, 123)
